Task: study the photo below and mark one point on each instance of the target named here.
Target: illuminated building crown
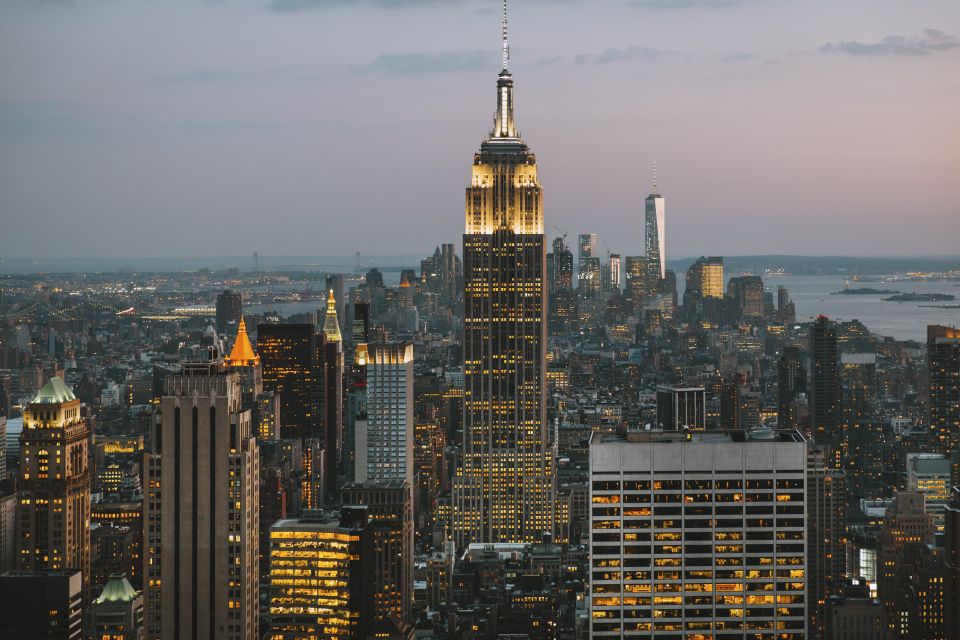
(242, 354)
(331, 328)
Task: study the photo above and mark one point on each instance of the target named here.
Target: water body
(814, 295)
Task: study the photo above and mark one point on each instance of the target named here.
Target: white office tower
(698, 535)
(385, 439)
(654, 232)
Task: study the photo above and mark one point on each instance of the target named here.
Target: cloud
(442, 62)
(927, 42)
(669, 5)
(738, 57)
(627, 54)
(306, 5)
(203, 75)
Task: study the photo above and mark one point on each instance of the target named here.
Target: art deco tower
(503, 490)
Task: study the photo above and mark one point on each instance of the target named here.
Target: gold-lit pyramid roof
(242, 354)
(331, 328)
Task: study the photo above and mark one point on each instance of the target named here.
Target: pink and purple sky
(321, 127)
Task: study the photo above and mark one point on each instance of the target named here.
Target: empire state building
(504, 486)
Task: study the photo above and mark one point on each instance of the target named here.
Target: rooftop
(55, 391)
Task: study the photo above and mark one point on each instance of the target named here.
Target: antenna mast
(505, 45)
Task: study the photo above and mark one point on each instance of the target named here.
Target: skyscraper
(654, 238)
(53, 518)
(706, 276)
(791, 381)
(201, 560)
(332, 396)
(228, 308)
(503, 490)
(825, 387)
(384, 444)
(826, 537)
(697, 535)
(313, 551)
(943, 362)
(292, 357)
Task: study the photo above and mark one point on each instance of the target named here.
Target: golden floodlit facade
(503, 489)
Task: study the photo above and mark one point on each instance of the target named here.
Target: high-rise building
(53, 519)
(613, 268)
(384, 444)
(747, 294)
(503, 490)
(45, 603)
(117, 613)
(826, 537)
(388, 544)
(562, 276)
(929, 474)
(943, 362)
(228, 310)
(586, 248)
(654, 235)
(332, 397)
(951, 561)
(698, 535)
(638, 278)
(825, 387)
(310, 552)
(680, 408)
(791, 382)
(292, 357)
(201, 537)
(706, 276)
(904, 535)
(589, 276)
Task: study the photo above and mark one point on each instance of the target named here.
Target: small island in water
(867, 291)
(921, 297)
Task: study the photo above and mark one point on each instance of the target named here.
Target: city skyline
(210, 130)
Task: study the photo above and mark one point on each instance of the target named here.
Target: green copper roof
(54, 392)
(117, 589)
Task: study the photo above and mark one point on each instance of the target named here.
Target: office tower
(360, 326)
(636, 278)
(332, 396)
(943, 362)
(586, 248)
(313, 485)
(698, 535)
(854, 615)
(747, 294)
(309, 551)
(786, 310)
(292, 357)
(929, 474)
(825, 387)
(388, 546)
(654, 235)
(826, 537)
(503, 491)
(228, 310)
(668, 286)
(562, 266)
(613, 267)
(385, 441)
(123, 522)
(45, 603)
(117, 614)
(245, 361)
(3, 446)
(730, 406)
(53, 520)
(680, 408)
(706, 276)
(951, 561)
(791, 382)
(200, 565)
(589, 277)
(904, 535)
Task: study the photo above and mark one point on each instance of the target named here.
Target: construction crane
(563, 233)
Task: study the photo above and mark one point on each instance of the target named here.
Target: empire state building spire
(504, 126)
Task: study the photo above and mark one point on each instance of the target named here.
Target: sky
(323, 127)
